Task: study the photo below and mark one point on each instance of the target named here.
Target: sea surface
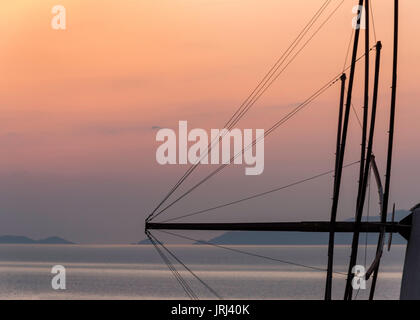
(138, 272)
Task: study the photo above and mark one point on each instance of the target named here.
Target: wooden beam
(305, 226)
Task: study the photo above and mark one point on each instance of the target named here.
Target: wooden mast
(360, 206)
(363, 162)
(365, 100)
(390, 141)
(337, 180)
(328, 285)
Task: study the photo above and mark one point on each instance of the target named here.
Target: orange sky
(81, 103)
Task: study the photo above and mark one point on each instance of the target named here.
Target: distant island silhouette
(13, 239)
(144, 241)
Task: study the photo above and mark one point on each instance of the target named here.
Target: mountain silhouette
(12, 239)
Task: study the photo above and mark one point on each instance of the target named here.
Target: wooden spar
(337, 180)
(365, 101)
(360, 205)
(328, 285)
(390, 140)
(305, 226)
(363, 162)
(340, 122)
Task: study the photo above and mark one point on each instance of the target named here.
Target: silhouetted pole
(363, 162)
(365, 102)
(360, 205)
(328, 286)
(403, 227)
(340, 122)
(390, 141)
(337, 180)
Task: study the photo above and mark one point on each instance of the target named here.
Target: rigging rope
(290, 61)
(274, 127)
(261, 88)
(186, 267)
(269, 131)
(304, 45)
(250, 253)
(357, 116)
(373, 20)
(258, 194)
(367, 219)
(257, 92)
(187, 289)
(348, 49)
(368, 211)
(278, 64)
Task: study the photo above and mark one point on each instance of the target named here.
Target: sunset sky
(80, 108)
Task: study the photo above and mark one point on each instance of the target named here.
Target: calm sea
(137, 272)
